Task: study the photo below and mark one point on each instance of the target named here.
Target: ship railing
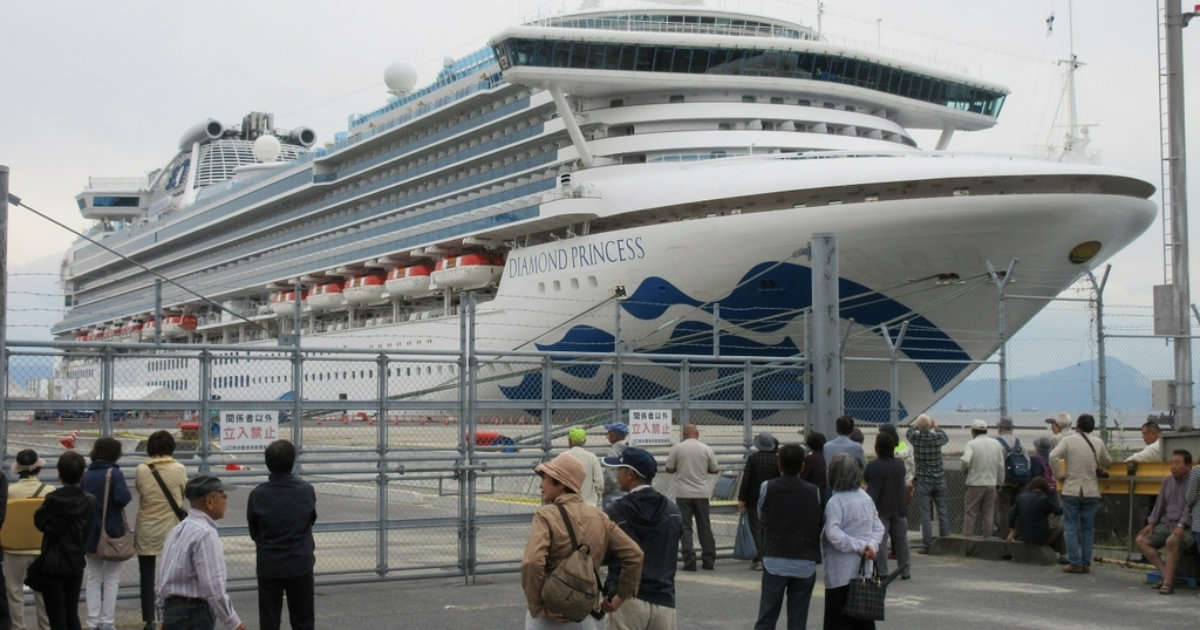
(117, 183)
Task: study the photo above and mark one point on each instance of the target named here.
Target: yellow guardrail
(1147, 479)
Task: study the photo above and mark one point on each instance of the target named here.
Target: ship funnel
(304, 136)
(205, 130)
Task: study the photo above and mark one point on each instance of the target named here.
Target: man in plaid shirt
(927, 441)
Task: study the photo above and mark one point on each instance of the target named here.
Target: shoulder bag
(1100, 472)
(572, 589)
(117, 548)
(180, 513)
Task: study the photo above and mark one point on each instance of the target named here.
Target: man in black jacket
(280, 514)
(655, 523)
(790, 509)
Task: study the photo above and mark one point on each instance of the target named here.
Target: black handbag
(35, 576)
(180, 513)
(864, 599)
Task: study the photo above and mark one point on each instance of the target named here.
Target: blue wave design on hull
(775, 288)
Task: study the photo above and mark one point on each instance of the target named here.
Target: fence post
(205, 408)
(618, 374)
(381, 448)
(685, 393)
(893, 350)
(747, 405)
(828, 386)
(1101, 370)
(1002, 331)
(716, 338)
(106, 390)
(473, 460)
(547, 410)
(4, 354)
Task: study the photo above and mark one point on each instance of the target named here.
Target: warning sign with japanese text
(649, 426)
(248, 431)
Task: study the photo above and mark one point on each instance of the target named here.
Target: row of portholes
(556, 285)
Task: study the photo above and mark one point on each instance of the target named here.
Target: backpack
(1016, 464)
(572, 589)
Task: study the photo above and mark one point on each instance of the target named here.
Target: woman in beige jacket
(549, 543)
(155, 517)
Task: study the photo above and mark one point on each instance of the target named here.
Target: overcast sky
(107, 88)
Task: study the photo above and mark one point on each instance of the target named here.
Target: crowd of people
(829, 502)
(71, 540)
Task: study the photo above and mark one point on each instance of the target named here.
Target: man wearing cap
(550, 543)
(655, 524)
(983, 462)
(615, 433)
(16, 561)
(1007, 495)
(692, 461)
(762, 465)
(592, 490)
(1060, 426)
(190, 590)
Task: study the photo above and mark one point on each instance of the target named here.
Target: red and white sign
(248, 431)
(649, 426)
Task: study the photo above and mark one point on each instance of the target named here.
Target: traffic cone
(149, 422)
(69, 441)
(121, 422)
(60, 421)
(91, 421)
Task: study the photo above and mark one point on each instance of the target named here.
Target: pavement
(945, 592)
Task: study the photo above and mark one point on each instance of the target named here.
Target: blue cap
(617, 427)
(642, 462)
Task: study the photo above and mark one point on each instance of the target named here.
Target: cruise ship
(637, 178)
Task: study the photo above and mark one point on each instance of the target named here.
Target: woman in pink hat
(550, 543)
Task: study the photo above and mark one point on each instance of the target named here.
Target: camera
(1101, 473)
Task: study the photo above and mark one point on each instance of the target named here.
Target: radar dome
(399, 78)
(266, 148)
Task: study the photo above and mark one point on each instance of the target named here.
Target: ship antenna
(16, 201)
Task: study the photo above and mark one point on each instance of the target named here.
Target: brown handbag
(118, 548)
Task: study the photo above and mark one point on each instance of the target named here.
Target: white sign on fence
(248, 431)
(649, 426)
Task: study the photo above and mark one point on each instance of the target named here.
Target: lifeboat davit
(284, 302)
(148, 327)
(364, 289)
(325, 296)
(469, 271)
(411, 280)
(132, 332)
(178, 325)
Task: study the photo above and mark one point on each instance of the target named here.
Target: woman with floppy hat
(762, 465)
(550, 543)
(16, 561)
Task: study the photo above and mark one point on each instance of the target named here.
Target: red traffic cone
(69, 441)
(91, 421)
(234, 467)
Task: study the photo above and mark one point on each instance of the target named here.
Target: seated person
(1169, 523)
(1152, 436)
(1030, 513)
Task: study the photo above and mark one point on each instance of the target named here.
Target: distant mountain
(1072, 387)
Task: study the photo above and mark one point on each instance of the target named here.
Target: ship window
(777, 100)
(541, 287)
(574, 283)
(724, 126)
(617, 102)
(593, 282)
(557, 285)
(675, 98)
(746, 98)
(805, 102)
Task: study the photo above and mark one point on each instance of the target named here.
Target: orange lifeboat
(178, 325)
(115, 332)
(364, 289)
(284, 302)
(325, 296)
(411, 280)
(469, 271)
